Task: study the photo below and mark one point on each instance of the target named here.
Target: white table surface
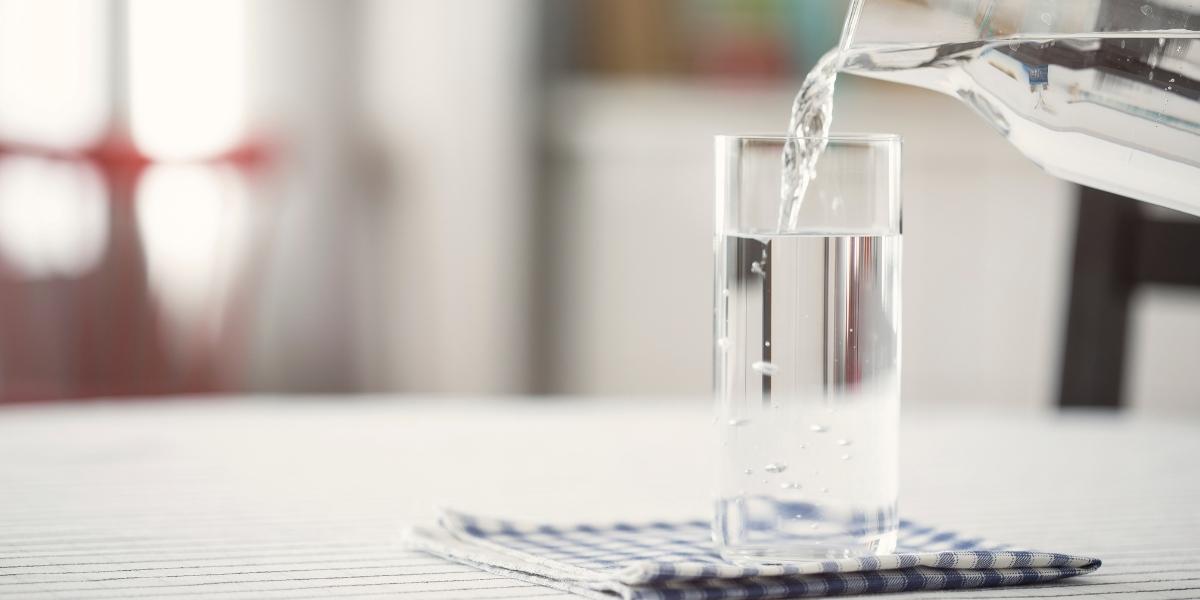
(303, 498)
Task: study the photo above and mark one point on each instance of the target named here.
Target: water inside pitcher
(1105, 93)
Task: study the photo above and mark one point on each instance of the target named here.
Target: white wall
(1163, 359)
(448, 88)
(315, 294)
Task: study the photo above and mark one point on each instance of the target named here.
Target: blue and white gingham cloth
(677, 561)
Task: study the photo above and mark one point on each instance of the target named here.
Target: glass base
(793, 553)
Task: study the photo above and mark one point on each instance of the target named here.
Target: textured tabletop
(303, 498)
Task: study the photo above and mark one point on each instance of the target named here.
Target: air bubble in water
(738, 422)
(790, 485)
(844, 442)
(1047, 18)
(845, 457)
(775, 468)
(813, 525)
(1147, 9)
(749, 471)
(757, 269)
(725, 292)
(768, 342)
(723, 343)
(765, 367)
(817, 428)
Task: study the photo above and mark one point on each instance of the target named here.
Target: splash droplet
(825, 490)
(1047, 18)
(757, 269)
(790, 485)
(844, 442)
(749, 471)
(775, 468)
(818, 428)
(738, 422)
(846, 457)
(723, 343)
(1147, 9)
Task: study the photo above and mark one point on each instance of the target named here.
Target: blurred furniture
(235, 498)
(1119, 247)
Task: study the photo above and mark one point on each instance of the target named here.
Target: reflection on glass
(53, 72)
(187, 76)
(194, 224)
(53, 216)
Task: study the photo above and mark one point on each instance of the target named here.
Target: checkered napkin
(676, 561)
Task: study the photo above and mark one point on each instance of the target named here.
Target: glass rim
(833, 137)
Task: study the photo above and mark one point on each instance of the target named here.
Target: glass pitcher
(1105, 93)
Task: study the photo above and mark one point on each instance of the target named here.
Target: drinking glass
(807, 352)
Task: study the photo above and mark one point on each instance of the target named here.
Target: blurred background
(465, 197)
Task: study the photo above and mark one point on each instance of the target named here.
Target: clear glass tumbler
(807, 352)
